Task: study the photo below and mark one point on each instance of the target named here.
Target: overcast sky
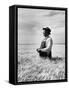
(31, 22)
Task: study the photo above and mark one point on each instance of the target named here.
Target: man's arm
(39, 49)
(48, 47)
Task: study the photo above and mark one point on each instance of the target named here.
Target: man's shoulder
(49, 38)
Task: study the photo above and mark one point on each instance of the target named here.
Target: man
(46, 45)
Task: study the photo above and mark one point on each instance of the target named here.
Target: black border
(16, 42)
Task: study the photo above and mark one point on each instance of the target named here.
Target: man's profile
(45, 49)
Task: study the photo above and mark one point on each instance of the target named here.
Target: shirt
(47, 44)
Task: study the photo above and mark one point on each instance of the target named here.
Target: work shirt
(46, 45)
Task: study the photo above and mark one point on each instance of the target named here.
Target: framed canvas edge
(16, 43)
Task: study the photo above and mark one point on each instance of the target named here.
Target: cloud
(53, 13)
(28, 25)
(61, 24)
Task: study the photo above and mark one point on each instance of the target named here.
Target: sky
(31, 22)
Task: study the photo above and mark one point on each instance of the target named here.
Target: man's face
(45, 33)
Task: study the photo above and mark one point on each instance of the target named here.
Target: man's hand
(38, 50)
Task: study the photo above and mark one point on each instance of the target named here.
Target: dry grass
(33, 68)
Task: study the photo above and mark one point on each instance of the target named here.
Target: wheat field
(31, 67)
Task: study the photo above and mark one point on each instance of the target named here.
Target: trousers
(45, 54)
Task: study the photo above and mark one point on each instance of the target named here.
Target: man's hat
(47, 29)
